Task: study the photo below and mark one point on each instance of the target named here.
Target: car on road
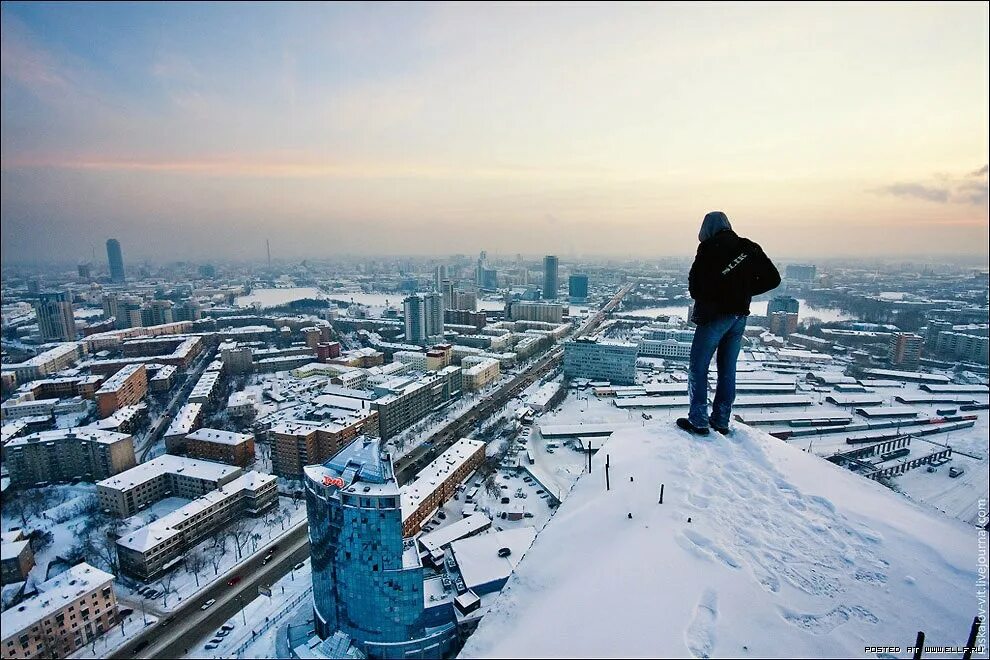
(299, 565)
(143, 644)
(167, 621)
(208, 604)
(234, 580)
(126, 611)
(211, 646)
(227, 626)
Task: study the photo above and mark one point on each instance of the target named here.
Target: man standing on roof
(727, 272)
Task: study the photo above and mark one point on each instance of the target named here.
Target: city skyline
(375, 129)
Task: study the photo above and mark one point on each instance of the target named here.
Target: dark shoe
(724, 430)
(683, 423)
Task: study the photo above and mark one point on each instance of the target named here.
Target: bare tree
(105, 547)
(165, 582)
(240, 532)
(217, 552)
(195, 562)
(255, 537)
(271, 517)
(17, 507)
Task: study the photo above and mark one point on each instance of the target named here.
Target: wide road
(407, 467)
(189, 625)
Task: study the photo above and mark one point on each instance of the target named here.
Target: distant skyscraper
(800, 273)
(55, 319)
(577, 288)
(439, 275)
(550, 283)
(85, 272)
(783, 304)
(368, 579)
(447, 294)
(489, 279)
(116, 260)
(423, 318)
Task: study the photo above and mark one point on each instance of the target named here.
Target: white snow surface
(786, 555)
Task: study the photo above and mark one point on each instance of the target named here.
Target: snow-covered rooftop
(80, 433)
(785, 555)
(152, 534)
(464, 527)
(480, 558)
(219, 436)
(442, 466)
(53, 595)
(166, 464)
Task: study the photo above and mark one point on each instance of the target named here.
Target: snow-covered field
(758, 550)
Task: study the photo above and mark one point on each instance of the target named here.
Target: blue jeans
(723, 335)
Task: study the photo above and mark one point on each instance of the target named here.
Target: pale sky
(196, 131)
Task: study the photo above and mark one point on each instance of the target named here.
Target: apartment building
(69, 611)
(296, 444)
(165, 476)
(438, 481)
(126, 387)
(148, 552)
(49, 362)
(478, 373)
(66, 454)
(188, 419)
(221, 446)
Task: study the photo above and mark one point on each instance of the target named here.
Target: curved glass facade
(367, 581)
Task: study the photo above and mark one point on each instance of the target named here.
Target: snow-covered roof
(458, 530)
(166, 464)
(219, 436)
(785, 555)
(117, 381)
(432, 475)
(185, 419)
(79, 433)
(154, 533)
(53, 595)
(478, 557)
(12, 549)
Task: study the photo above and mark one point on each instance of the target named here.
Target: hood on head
(713, 223)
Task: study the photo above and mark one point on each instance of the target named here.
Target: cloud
(968, 189)
(917, 190)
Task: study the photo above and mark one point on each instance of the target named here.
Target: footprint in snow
(700, 633)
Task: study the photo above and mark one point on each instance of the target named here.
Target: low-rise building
(49, 362)
(438, 481)
(69, 611)
(152, 550)
(188, 419)
(222, 446)
(165, 476)
(66, 454)
(207, 388)
(164, 379)
(126, 387)
(16, 557)
(478, 373)
(65, 386)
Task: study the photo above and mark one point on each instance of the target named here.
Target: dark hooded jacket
(727, 272)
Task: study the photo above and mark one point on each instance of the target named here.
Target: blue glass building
(367, 579)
